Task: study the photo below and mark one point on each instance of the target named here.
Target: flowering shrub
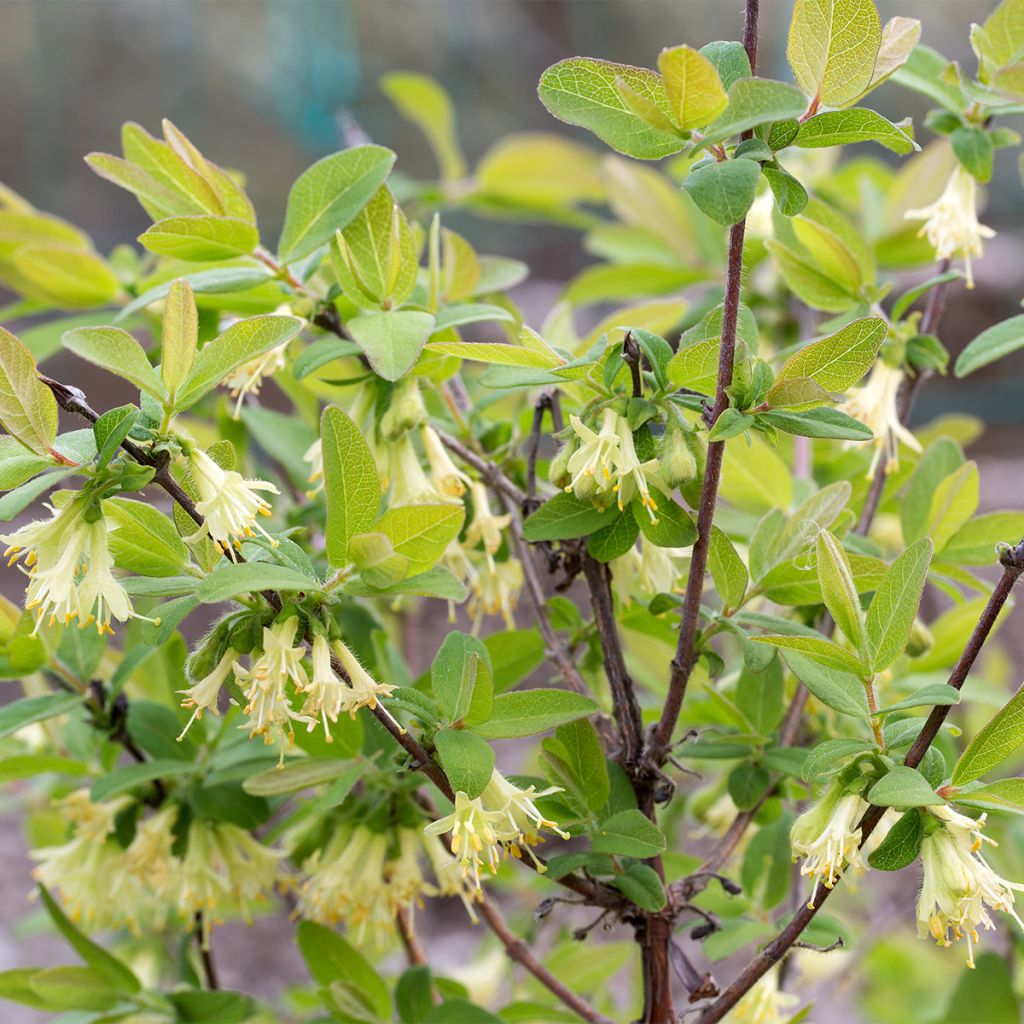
(688, 531)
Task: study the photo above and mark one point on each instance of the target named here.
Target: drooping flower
(592, 465)
(447, 478)
(951, 223)
(224, 868)
(202, 696)
(403, 873)
(405, 411)
(827, 837)
(632, 473)
(485, 527)
(345, 882)
(409, 484)
(264, 683)
(475, 842)
(648, 570)
(874, 405)
(148, 856)
(521, 822)
(764, 1003)
(495, 590)
(959, 886)
(363, 690)
(68, 562)
(247, 379)
(228, 503)
(90, 871)
(448, 874)
(314, 455)
(325, 692)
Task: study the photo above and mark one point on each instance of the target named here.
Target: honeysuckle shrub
(672, 540)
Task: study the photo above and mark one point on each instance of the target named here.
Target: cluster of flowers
(959, 886)
(494, 584)
(278, 661)
(105, 885)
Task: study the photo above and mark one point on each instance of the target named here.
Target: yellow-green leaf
(351, 484)
(28, 410)
(424, 102)
(695, 92)
(180, 335)
(838, 361)
(201, 238)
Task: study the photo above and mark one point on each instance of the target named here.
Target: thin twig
(488, 470)
(519, 951)
(533, 445)
(1012, 561)
(205, 953)
(414, 951)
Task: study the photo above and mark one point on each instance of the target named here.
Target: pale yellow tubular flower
(874, 404)
(485, 527)
(448, 874)
(519, 823)
(264, 684)
(409, 484)
(314, 455)
(959, 886)
(631, 473)
(764, 1003)
(405, 880)
(325, 693)
(90, 871)
(247, 379)
(148, 856)
(202, 696)
(363, 690)
(228, 503)
(495, 590)
(475, 842)
(827, 837)
(951, 223)
(591, 466)
(102, 597)
(448, 479)
(224, 868)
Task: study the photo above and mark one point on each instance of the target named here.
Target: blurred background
(269, 86)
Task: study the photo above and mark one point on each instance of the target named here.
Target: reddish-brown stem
(414, 951)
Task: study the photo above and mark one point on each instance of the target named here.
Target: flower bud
(921, 640)
(558, 470)
(406, 411)
(678, 464)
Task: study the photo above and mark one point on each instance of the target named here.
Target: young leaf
(695, 92)
(1003, 734)
(580, 749)
(901, 846)
(423, 102)
(143, 540)
(954, 502)
(231, 579)
(992, 344)
(331, 959)
(111, 429)
(829, 757)
(467, 760)
(351, 485)
(117, 351)
(724, 190)
(840, 592)
(201, 239)
(893, 609)
(818, 649)
(832, 48)
(28, 410)
(328, 195)
(564, 516)
(754, 101)
(392, 341)
(629, 834)
(903, 787)
(837, 362)
(582, 91)
(528, 712)
(641, 884)
(842, 691)
(421, 532)
(843, 127)
(461, 677)
(180, 335)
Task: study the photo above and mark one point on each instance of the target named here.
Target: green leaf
(759, 695)
(903, 787)
(829, 757)
(103, 963)
(330, 958)
(842, 127)
(421, 532)
(629, 834)
(975, 542)
(838, 361)
(1003, 794)
(119, 353)
(467, 760)
(984, 994)
(900, 847)
(351, 484)
(111, 429)
(296, 776)
(414, 994)
(927, 696)
(231, 579)
(66, 277)
(818, 649)
(992, 344)
(180, 336)
(754, 101)
(841, 691)
(436, 582)
(893, 609)
(727, 570)
(460, 1011)
(939, 460)
(790, 195)
(747, 783)
(582, 91)
(767, 863)
(832, 48)
(954, 502)
(222, 280)
(461, 677)
(564, 516)
(200, 1006)
(724, 190)
(809, 281)
(328, 195)
(26, 710)
(580, 749)
(528, 712)
(28, 410)
(840, 592)
(515, 653)
(239, 344)
(673, 527)
(616, 539)
(143, 540)
(391, 341)
(204, 238)
(27, 766)
(375, 559)
(463, 313)
(974, 149)
(695, 92)
(824, 422)
(131, 776)
(423, 102)
(999, 738)
(641, 884)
